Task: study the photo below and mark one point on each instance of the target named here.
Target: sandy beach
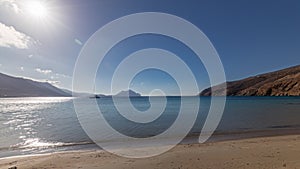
(266, 152)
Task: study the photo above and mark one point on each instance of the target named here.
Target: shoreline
(192, 138)
(261, 152)
(219, 136)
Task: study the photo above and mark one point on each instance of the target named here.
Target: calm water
(38, 125)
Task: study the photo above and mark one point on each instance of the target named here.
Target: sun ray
(37, 9)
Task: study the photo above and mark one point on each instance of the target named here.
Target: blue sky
(251, 37)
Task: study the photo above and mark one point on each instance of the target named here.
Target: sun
(37, 9)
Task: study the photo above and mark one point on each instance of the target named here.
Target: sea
(50, 124)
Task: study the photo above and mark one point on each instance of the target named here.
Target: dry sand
(281, 152)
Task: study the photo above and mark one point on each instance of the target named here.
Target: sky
(41, 40)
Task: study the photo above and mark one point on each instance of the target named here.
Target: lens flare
(37, 9)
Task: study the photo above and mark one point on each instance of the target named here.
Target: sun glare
(37, 9)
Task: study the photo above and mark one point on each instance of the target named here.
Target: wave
(35, 143)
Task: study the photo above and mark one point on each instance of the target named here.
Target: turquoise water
(39, 125)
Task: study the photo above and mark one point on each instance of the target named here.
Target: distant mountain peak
(129, 93)
(285, 82)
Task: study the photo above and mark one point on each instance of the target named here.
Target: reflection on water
(24, 120)
(36, 125)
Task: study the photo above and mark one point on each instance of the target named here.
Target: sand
(280, 152)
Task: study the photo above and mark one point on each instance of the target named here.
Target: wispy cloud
(53, 82)
(78, 42)
(62, 75)
(10, 5)
(10, 37)
(44, 71)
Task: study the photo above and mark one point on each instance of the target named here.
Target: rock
(13, 167)
(284, 82)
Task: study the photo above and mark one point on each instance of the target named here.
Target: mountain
(77, 94)
(99, 96)
(284, 82)
(129, 93)
(19, 87)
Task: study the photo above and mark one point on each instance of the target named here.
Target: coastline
(260, 152)
(191, 138)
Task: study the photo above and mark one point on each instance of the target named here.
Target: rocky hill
(19, 87)
(127, 93)
(284, 82)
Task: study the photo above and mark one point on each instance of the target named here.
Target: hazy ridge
(20, 87)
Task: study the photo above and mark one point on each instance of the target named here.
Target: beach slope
(267, 152)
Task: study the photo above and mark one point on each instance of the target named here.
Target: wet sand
(279, 152)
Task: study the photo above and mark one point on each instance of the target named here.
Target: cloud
(63, 75)
(10, 37)
(30, 56)
(53, 82)
(44, 71)
(10, 5)
(78, 42)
